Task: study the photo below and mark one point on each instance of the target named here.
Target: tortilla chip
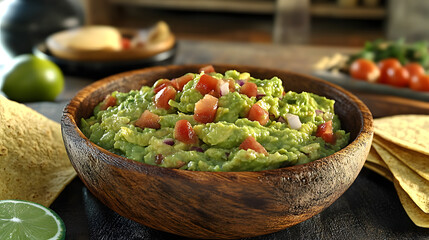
(416, 215)
(408, 131)
(416, 186)
(416, 161)
(384, 172)
(373, 157)
(33, 161)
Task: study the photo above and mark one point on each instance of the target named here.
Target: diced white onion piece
(293, 121)
(224, 88)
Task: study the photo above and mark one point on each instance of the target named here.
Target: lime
(27, 220)
(29, 78)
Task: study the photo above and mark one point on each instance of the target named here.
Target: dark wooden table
(369, 209)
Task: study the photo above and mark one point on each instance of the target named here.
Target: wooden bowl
(216, 204)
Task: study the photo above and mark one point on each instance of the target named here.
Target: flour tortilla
(418, 162)
(90, 38)
(416, 215)
(33, 161)
(408, 131)
(412, 183)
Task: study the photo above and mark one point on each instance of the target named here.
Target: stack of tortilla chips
(400, 153)
(33, 161)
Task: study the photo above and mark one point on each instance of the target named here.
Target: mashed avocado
(210, 121)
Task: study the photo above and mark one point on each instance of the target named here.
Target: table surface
(369, 209)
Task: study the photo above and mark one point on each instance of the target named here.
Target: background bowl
(100, 69)
(216, 204)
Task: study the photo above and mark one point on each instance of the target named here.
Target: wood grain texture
(216, 205)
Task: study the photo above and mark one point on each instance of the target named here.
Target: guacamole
(209, 121)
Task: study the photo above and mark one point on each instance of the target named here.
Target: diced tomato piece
(148, 120)
(178, 83)
(206, 84)
(126, 43)
(184, 132)
(251, 143)
(250, 89)
(214, 93)
(257, 113)
(231, 85)
(109, 101)
(205, 109)
(160, 84)
(163, 96)
(325, 131)
(207, 69)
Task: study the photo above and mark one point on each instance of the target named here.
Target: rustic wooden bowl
(216, 204)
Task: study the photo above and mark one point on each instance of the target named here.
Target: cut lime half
(28, 220)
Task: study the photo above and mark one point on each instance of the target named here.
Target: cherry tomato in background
(420, 83)
(126, 43)
(385, 65)
(415, 69)
(398, 77)
(364, 69)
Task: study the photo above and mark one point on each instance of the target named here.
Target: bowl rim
(365, 131)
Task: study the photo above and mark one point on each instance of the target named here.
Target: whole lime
(29, 78)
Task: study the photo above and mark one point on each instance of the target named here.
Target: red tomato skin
(251, 143)
(207, 69)
(325, 132)
(398, 77)
(214, 93)
(126, 43)
(109, 101)
(160, 87)
(148, 120)
(160, 84)
(420, 83)
(205, 109)
(163, 96)
(363, 69)
(257, 113)
(184, 132)
(179, 83)
(415, 69)
(249, 89)
(206, 84)
(384, 65)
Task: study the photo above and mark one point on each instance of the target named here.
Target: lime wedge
(28, 220)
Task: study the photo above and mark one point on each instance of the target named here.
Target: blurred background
(313, 22)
